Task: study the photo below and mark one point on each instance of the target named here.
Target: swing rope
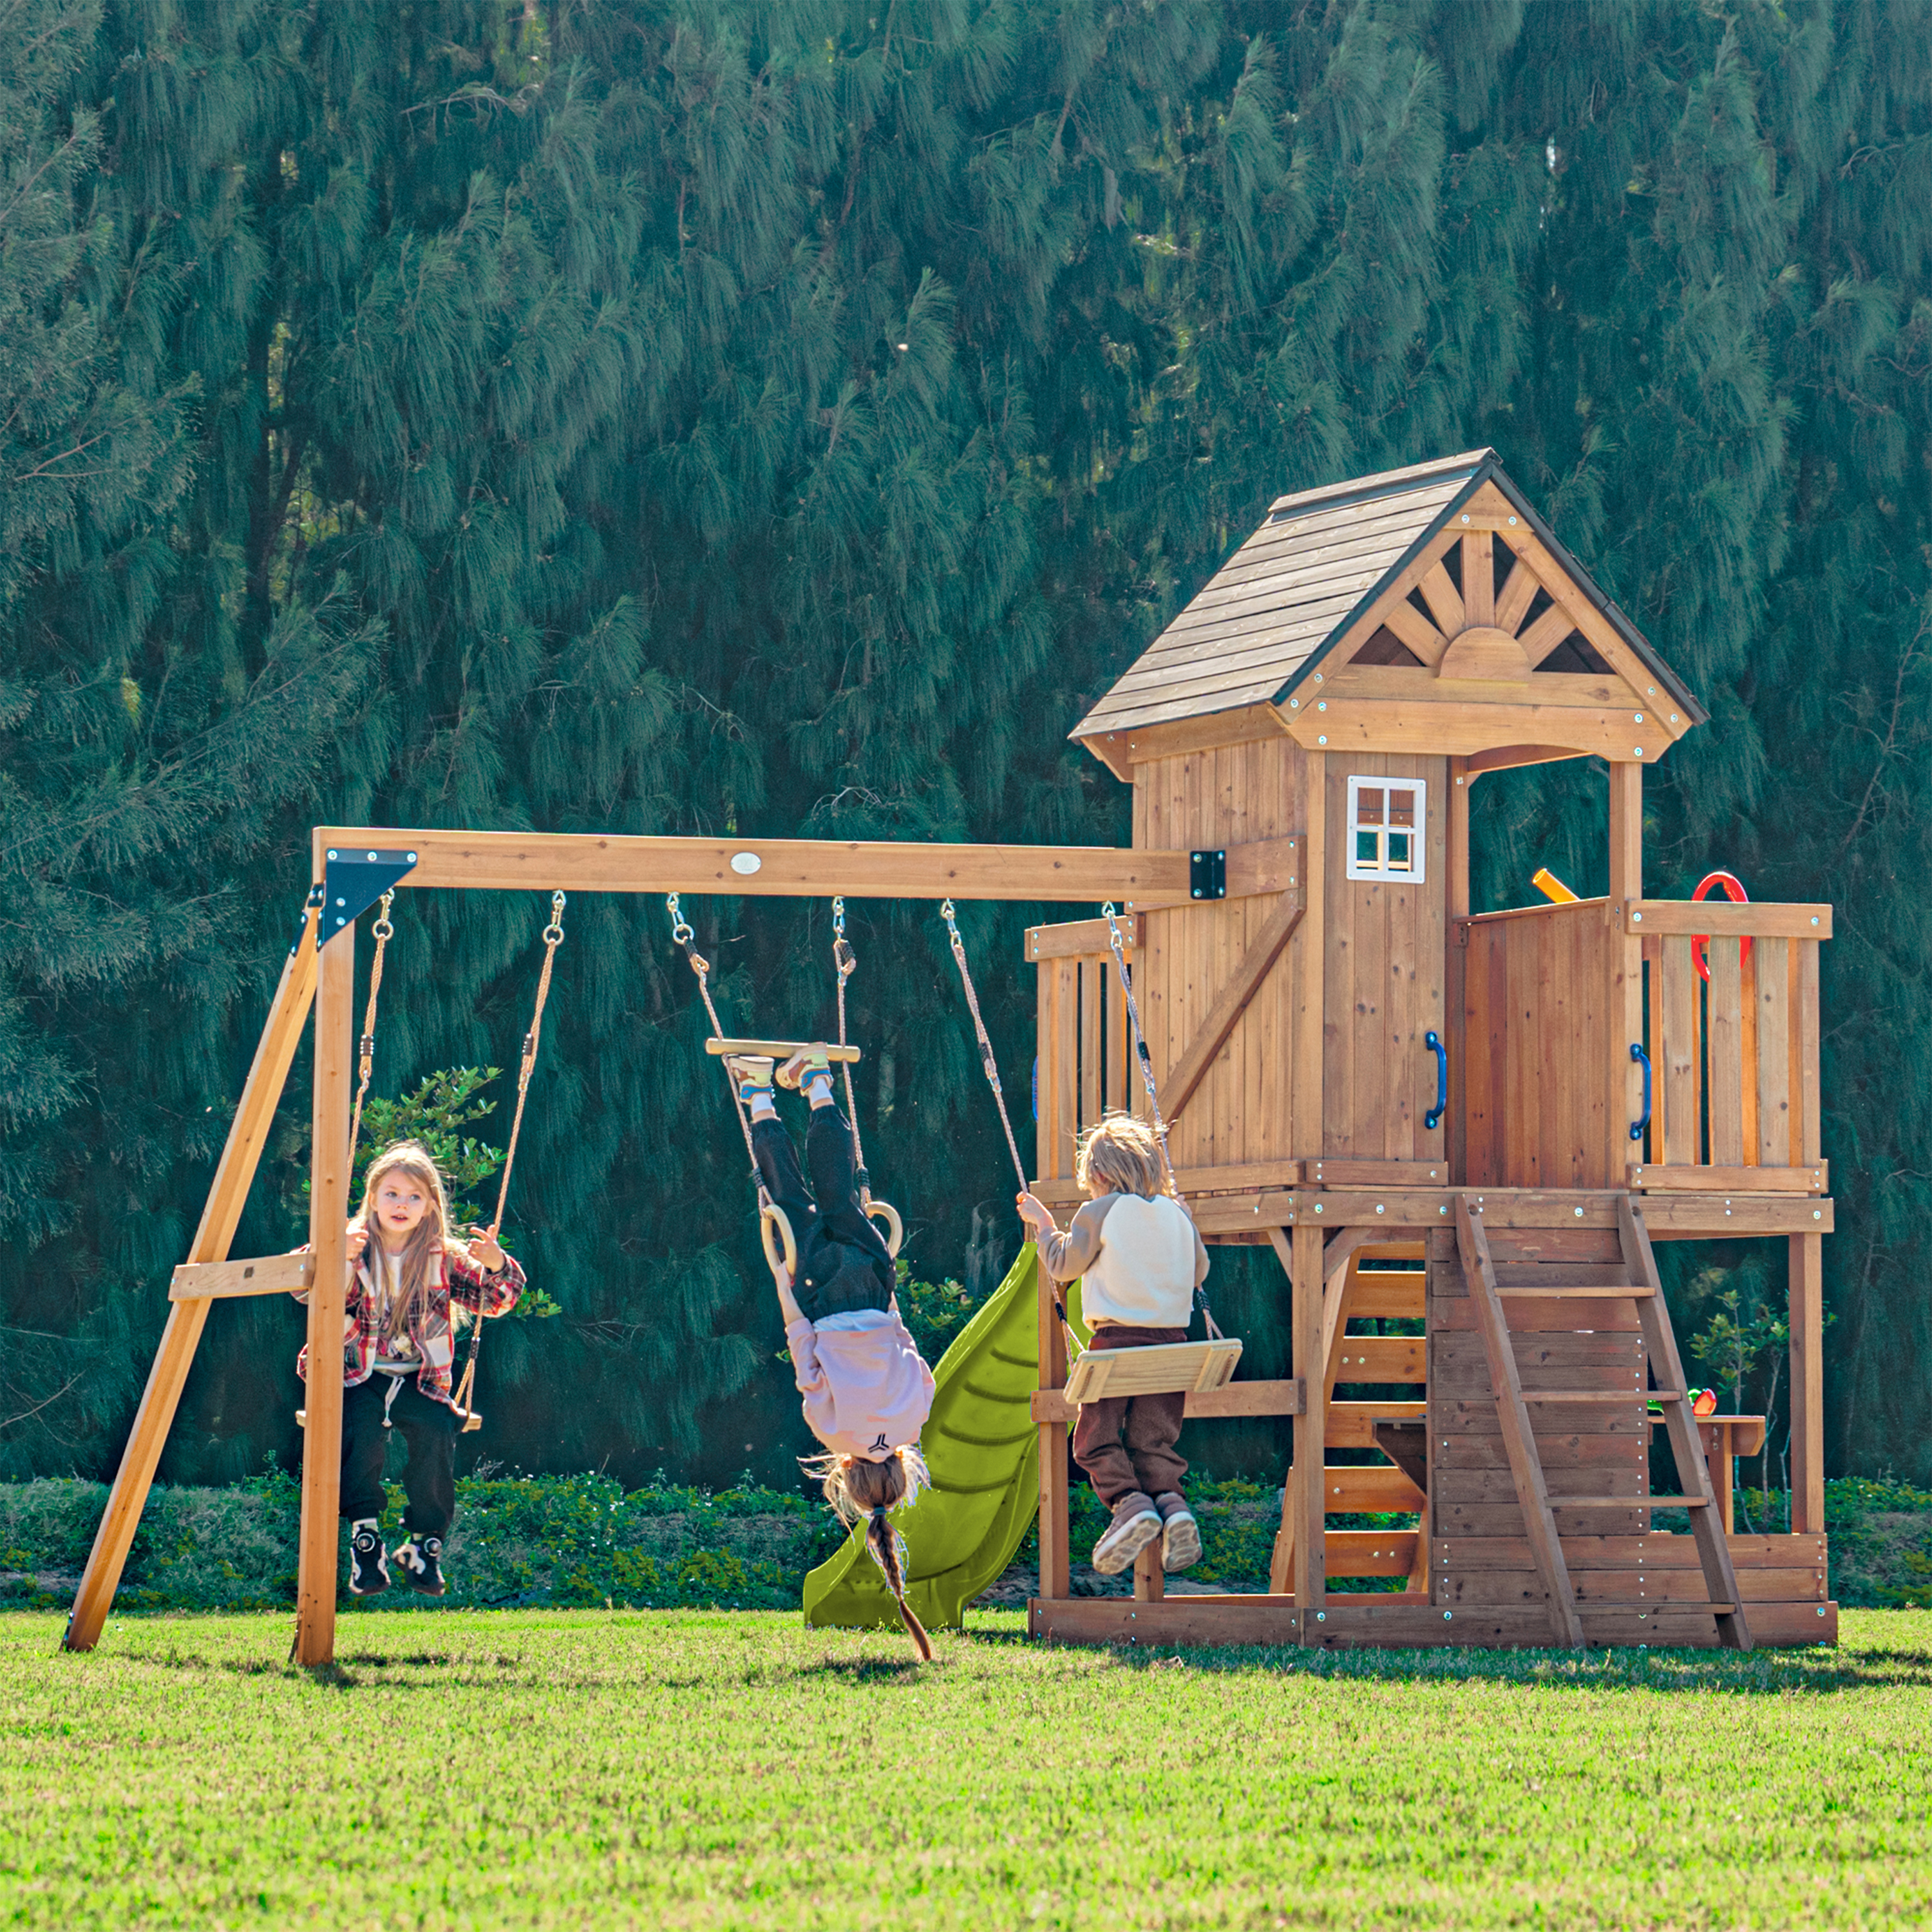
(986, 1060)
(552, 937)
(384, 932)
(1146, 1060)
(683, 935)
(770, 1214)
(992, 1070)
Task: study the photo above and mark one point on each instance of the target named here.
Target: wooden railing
(1085, 1062)
(1734, 1058)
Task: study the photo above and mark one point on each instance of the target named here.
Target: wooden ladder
(1639, 1285)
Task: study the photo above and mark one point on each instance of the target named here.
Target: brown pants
(1146, 1461)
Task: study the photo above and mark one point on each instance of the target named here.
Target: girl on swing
(867, 1391)
(1139, 1259)
(407, 1273)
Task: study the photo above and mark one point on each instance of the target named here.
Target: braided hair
(866, 1492)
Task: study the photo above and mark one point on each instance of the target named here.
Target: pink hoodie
(867, 1392)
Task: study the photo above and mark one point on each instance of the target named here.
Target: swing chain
(366, 1050)
(1146, 1060)
(847, 962)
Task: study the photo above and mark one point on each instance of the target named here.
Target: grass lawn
(688, 1769)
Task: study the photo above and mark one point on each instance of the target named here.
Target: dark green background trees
(674, 418)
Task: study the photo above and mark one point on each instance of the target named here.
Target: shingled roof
(1266, 618)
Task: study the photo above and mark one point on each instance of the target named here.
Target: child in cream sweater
(1139, 1259)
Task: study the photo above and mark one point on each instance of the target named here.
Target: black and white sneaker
(421, 1561)
(368, 1570)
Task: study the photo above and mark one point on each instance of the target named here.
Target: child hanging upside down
(1139, 1257)
(867, 1391)
(398, 1346)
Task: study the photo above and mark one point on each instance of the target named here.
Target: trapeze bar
(780, 1049)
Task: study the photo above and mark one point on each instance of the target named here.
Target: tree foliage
(694, 416)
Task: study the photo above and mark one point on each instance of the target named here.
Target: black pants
(429, 1429)
(834, 1221)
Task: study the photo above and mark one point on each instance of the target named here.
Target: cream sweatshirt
(866, 1391)
(1139, 1259)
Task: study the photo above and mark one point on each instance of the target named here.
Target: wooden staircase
(1569, 1336)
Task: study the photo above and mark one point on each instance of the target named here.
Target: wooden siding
(1538, 1066)
(1243, 1110)
(1383, 978)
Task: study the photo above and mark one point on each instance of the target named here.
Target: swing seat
(1164, 1368)
(471, 1419)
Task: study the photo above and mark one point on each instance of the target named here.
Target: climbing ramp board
(982, 1448)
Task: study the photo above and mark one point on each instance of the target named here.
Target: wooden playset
(1475, 1126)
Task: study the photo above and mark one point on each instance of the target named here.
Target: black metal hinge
(1207, 875)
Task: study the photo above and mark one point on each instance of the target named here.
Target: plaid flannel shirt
(454, 1278)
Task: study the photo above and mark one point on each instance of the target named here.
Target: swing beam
(323, 974)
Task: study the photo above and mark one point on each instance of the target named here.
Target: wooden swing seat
(780, 1049)
(1164, 1368)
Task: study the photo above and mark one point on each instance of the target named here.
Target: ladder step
(1629, 1502)
(1626, 1291)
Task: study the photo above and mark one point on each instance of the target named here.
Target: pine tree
(659, 417)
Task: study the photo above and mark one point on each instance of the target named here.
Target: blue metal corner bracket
(353, 881)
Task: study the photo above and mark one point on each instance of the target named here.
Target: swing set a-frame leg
(331, 1156)
(281, 1034)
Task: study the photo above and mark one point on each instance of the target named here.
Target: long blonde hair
(1121, 1153)
(862, 1491)
(429, 1239)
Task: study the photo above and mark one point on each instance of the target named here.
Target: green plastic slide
(982, 1448)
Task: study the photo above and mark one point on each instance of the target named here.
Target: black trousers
(429, 1430)
(833, 1221)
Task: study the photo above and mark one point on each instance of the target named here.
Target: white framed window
(1388, 818)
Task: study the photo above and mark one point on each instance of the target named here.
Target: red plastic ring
(1734, 891)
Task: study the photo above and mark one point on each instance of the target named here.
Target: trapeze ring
(895, 1228)
(775, 1232)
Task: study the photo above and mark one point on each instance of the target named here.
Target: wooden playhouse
(1357, 1070)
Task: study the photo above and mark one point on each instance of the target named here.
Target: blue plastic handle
(1434, 1043)
(1642, 1059)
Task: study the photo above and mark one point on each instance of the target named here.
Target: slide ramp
(982, 1448)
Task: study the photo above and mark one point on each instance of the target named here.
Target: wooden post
(1624, 958)
(1455, 989)
(329, 1215)
(248, 1134)
(1808, 1383)
(1307, 1501)
(1305, 1125)
(1055, 1563)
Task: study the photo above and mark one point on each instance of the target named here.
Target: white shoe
(1136, 1523)
(1179, 1534)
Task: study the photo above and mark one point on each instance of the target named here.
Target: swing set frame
(351, 867)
